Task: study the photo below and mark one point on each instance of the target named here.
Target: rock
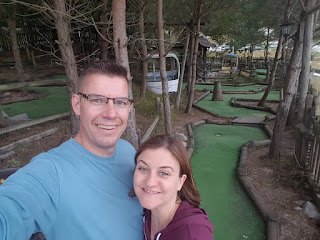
(19, 117)
(7, 94)
(298, 208)
(4, 114)
(300, 202)
(184, 144)
(181, 137)
(310, 210)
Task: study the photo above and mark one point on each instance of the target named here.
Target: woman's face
(156, 179)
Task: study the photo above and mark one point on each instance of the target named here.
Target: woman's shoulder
(190, 222)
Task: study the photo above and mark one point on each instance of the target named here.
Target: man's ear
(75, 102)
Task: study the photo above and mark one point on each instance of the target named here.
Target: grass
(55, 102)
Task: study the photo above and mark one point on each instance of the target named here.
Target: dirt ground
(280, 183)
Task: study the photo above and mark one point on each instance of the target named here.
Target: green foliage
(145, 106)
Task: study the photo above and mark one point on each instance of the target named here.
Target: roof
(231, 55)
(205, 43)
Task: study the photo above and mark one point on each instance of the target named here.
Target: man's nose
(109, 110)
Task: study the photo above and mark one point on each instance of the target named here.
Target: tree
(183, 65)
(194, 55)
(306, 57)
(144, 48)
(284, 106)
(105, 42)
(61, 19)
(120, 42)
(163, 72)
(8, 11)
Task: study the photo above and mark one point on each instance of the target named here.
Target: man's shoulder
(60, 150)
(124, 144)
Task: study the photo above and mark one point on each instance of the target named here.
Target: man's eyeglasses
(98, 100)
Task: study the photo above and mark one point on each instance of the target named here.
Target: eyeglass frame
(86, 96)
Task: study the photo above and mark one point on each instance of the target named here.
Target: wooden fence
(307, 142)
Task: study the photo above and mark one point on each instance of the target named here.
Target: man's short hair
(103, 67)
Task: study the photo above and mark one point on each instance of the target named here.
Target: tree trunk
(273, 72)
(163, 72)
(194, 59)
(16, 52)
(266, 60)
(120, 42)
(144, 52)
(192, 46)
(306, 57)
(251, 62)
(217, 92)
(177, 103)
(104, 32)
(62, 23)
(284, 106)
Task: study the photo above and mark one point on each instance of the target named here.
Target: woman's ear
(182, 180)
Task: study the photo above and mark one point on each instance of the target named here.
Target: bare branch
(314, 9)
(103, 37)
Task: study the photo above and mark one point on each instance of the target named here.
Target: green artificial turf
(261, 70)
(55, 102)
(224, 108)
(214, 164)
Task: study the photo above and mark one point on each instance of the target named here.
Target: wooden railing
(307, 142)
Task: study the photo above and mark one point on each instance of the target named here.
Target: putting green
(55, 102)
(223, 108)
(214, 163)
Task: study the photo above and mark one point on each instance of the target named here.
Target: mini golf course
(56, 101)
(214, 162)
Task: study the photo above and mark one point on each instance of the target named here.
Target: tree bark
(194, 59)
(189, 80)
(306, 57)
(266, 60)
(144, 51)
(163, 72)
(16, 52)
(217, 92)
(120, 42)
(273, 72)
(104, 32)
(186, 47)
(63, 26)
(284, 106)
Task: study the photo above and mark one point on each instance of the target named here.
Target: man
(79, 190)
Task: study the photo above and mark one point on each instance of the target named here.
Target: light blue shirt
(70, 193)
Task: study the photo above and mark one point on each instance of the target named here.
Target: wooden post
(217, 91)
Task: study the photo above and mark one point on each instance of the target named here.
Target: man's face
(101, 126)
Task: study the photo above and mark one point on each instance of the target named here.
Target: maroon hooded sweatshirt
(188, 223)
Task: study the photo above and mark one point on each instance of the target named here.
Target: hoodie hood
(186, 216)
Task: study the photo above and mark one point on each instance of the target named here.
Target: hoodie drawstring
(158, 237)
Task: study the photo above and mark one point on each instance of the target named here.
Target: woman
(164, 184)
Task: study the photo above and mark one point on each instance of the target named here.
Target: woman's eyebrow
(167, 167)
(142, 162)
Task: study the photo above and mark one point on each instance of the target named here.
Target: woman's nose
(151, 180)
